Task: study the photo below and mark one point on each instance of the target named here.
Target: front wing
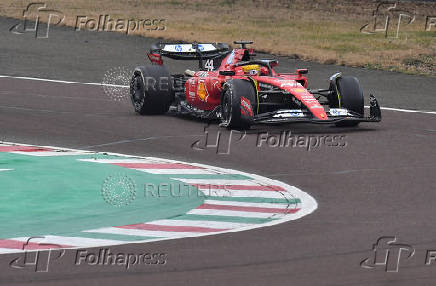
(334, 115)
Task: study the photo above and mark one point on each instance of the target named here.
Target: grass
(321, 30)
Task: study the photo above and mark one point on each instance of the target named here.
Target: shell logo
(202, 91)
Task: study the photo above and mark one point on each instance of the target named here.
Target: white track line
(126, 86)
(51, 154)
(408, 110)
(62, 81)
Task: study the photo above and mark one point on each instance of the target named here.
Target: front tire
(238, 104)
(347, 94)
(151, 90)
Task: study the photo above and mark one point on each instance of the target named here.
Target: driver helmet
(251, 70)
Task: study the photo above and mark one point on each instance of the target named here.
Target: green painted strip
(51, 195)
(223, 218)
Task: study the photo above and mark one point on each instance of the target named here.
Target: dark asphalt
(381, 183)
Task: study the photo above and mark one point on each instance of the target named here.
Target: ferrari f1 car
(239, 90)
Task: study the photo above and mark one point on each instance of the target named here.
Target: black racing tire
(151, 90)
(238, 104)
(348, 94)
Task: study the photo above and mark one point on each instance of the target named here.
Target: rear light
(155, 59)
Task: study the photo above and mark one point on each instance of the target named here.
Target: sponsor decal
(191, 82)
(265, 85)
(230, 58)
(217, 85)
(246, 106)
(290, 84)
(202, 91)
(202, 74)
(286, 83)
(188, 48)
(338, 112)
(290, 113)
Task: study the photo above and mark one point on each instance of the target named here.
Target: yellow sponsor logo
(201, 91)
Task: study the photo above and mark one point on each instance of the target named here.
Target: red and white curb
(253, 197)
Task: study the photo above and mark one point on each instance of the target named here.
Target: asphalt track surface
(381, 183)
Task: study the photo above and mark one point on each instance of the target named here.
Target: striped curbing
(233, 201)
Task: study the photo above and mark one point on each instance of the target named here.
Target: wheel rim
(227, 108)
(137, 92)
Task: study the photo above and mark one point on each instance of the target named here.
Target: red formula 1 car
(239, 90)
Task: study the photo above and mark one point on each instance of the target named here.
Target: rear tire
(151, 90)
(347, 94)
(238, 104)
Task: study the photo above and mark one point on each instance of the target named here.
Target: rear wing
(184, 51)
